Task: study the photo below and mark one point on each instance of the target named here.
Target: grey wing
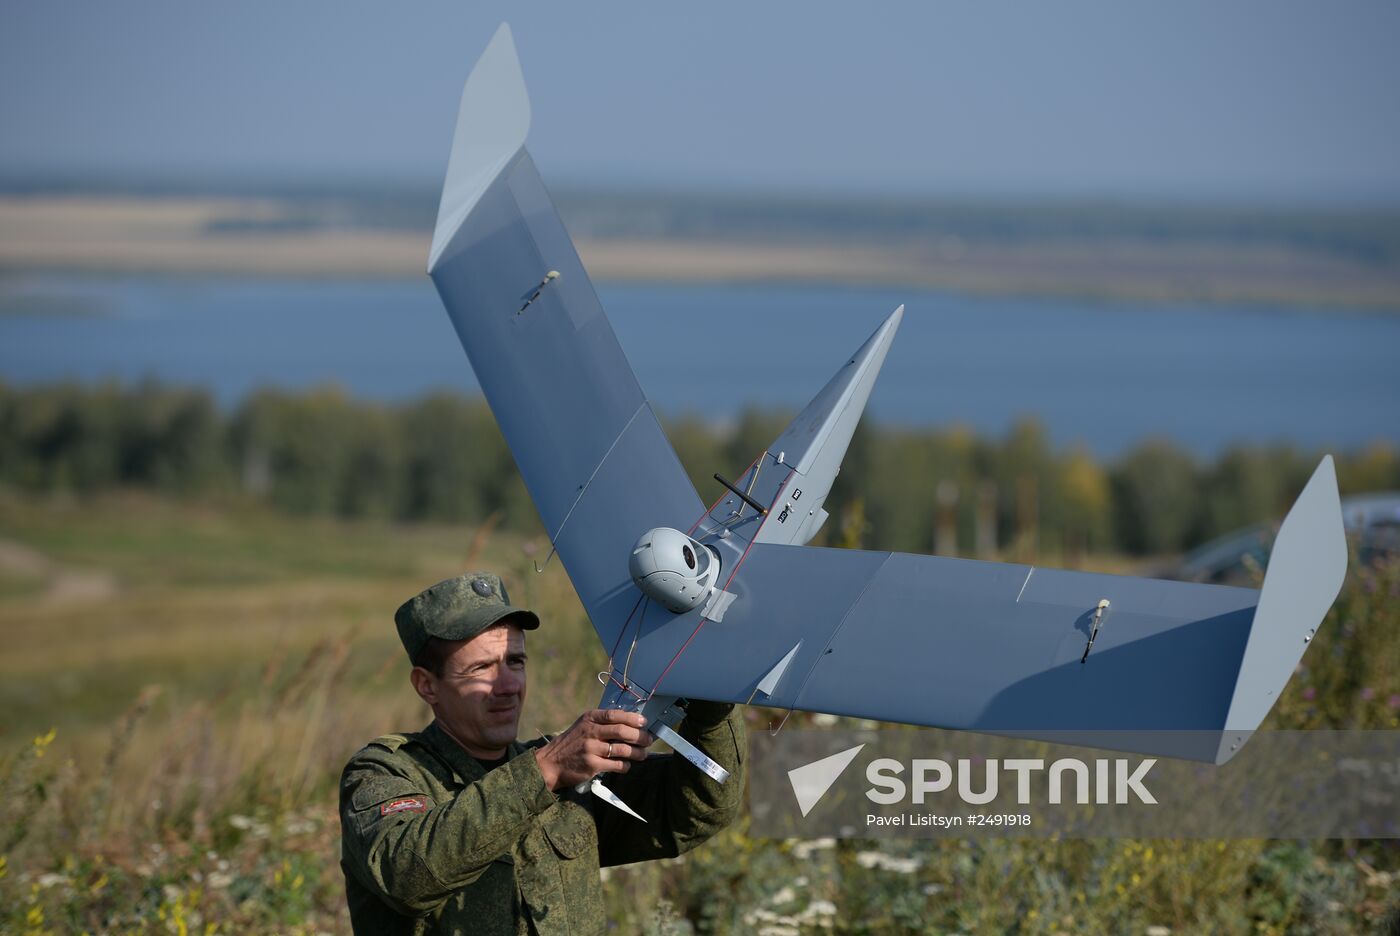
(588, 445)
(1176, 668)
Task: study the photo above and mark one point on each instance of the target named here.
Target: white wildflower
(49, 880)
(902, 865)
(1159, 931)
(777, 924)
(243, 823)
(803, 850)
(874, 859)
(218, 880)
(786, 895)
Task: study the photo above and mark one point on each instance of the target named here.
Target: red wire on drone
(733, 572)
(625, 624)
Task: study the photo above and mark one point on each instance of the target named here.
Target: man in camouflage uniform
(462, 828)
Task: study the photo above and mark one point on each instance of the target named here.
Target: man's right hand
(600, 741)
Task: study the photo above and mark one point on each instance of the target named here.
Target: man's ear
(424, 683)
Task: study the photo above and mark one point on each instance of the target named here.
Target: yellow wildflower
(42, 742)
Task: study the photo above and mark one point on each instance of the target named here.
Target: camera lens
(689, 556)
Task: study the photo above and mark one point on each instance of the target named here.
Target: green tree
(1155, 496)
(169, 439)
(457, 464)
(1085, 498)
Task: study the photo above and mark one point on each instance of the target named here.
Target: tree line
(442, 458)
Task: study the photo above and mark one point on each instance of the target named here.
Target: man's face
(480, 694)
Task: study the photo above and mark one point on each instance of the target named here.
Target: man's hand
(601, 741)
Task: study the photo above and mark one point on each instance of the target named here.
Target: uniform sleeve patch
(404, 804)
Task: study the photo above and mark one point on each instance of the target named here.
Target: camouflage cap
(457, 609)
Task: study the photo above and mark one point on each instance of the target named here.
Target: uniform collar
(468, 768)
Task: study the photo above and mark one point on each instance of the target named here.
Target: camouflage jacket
(431, 842)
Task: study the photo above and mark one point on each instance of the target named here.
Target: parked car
(1372, 523)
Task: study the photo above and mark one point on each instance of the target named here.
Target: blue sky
(1241, 101)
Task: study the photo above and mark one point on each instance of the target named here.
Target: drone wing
(594, 458)
(1179, 669)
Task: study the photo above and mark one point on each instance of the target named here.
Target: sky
(1242, 101)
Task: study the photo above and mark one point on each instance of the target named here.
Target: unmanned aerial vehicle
(729, 604)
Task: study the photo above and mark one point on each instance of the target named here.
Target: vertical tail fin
(816, 441)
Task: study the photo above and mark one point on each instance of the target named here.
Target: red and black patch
(403, 804)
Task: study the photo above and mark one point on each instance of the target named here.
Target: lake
(1103, 373)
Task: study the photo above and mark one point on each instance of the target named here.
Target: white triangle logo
(811, 781)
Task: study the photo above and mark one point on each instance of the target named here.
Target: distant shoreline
(235, 236)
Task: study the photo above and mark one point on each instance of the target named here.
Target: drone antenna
(1099, 612)
(549, 277)
(763, 511)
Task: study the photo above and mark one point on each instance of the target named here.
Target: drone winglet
(1307, 567)
(493, 119)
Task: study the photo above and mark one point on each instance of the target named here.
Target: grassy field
(182, 683)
